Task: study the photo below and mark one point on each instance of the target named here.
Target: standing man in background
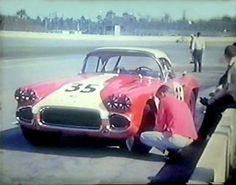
(198, 47)
(190, 48)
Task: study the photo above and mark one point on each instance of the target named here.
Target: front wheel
(36, 137)
(133, 143)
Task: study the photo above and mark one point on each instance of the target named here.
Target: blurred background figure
(190, 48)
(222, 99)
(198, 48)
(223, 79)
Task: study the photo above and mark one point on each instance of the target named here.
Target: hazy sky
(195, 9)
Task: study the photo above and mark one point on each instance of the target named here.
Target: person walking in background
(190, 48)
(198, 48)
(173, 131)
(222, 99)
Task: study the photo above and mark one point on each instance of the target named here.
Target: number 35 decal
(82, 88)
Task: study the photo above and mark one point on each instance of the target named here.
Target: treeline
(129, 24)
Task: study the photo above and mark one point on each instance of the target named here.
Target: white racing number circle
(179, 91)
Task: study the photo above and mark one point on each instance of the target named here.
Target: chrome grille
(70, 117)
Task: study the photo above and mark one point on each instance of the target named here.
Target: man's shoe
(173, 156)
(152, 178)
(199, 140)
(202, 138)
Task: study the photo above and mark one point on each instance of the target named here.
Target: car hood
(88, 92)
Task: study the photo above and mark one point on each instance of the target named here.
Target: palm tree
(108, 21)
(100, 24)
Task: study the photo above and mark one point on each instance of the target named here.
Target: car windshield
(122, 64)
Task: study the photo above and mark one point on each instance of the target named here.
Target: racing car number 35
(83, 88)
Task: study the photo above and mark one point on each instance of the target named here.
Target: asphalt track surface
(24, 62)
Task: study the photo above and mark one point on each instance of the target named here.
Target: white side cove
(82, 94)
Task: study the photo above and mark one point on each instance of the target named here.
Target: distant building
(117, 30)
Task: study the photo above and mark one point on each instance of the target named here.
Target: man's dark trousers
(197, 60)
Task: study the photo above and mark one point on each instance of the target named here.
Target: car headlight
(25, 95)
(118, 103)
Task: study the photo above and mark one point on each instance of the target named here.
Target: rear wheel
(133, 143)
(36, 137)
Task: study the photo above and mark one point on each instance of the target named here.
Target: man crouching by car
(175, 127)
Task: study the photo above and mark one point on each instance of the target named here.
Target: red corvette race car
(112, 98)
